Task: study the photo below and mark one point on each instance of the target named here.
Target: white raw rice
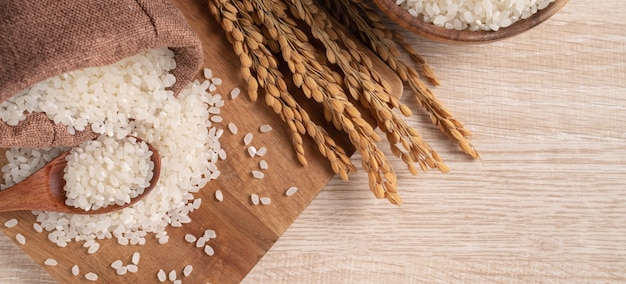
(187, 270)
(75, 270)
(473, 15)
(247, 139)
(261, 151)
(190, 238)
(209, 250)
(258, 174)
(11, 223)
(233, 128)
(132, 268)
(291, 191)
(216, 81)
(210, 234)
(219, 195)
(93, 248)
(263, 165)
(234, 93)
(172, 275)
(20, 239)
(196, 203)
(91, 276)
(201, 241)
(251, 151)
(117, 264)
(161, 275)
(37, 227)
(122, 270)
(266, 200)
(107, 171)
(265, 128)
(135, 258)
(208, 73)
(126, 98)
(255, 199)
(50, 262)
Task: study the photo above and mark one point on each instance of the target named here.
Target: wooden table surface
(546, 202)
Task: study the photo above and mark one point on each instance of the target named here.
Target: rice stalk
(269, 34)
(361, 16)
(260, 67)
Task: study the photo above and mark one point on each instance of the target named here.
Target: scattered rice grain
(263, 165)
(255, 199)
(135, 258)
(232, 128)
(91, 276)
(117, 264)
(266, 200)
(20, 239)
(132, 268)
(93, 248)
(261, 151)
(219, 195)
(291, 191)
(210, 234)
(75, 270)
(265, 128)
(161, 275)
(234, 93)
(247, 139)
(209, 250)
(208, 73)
(50, 262)
(258, 174)
(190, 238)
(252, 151)
(122, 270)
(187, 270)
(11, 223)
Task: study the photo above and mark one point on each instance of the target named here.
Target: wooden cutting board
(244, 231)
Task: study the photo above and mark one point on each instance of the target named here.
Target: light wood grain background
(545, 204)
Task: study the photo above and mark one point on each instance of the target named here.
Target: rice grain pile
(473, 15)
(107, 171)
(126, 98)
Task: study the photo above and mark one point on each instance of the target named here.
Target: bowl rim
(444, 35)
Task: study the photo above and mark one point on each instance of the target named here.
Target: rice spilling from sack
(473, 15)
(126, 98)
(118, 170)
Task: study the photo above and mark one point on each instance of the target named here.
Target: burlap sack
(40, 39)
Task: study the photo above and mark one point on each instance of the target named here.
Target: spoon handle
(29, 194)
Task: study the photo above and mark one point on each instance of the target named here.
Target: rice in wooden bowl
(469, 21)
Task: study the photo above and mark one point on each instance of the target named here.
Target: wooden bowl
(441, 34)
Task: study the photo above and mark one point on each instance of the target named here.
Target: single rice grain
(255, 199)
(219, 196)
(209, 250)
(91, 276)
(265, 128)
(291, 191)
(266, 200)
(11, 223)
(20, 239)
(161, 276)
(187, 270)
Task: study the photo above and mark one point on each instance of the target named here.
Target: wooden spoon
(44, 191)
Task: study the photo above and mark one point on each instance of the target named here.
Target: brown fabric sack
(40, 39)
